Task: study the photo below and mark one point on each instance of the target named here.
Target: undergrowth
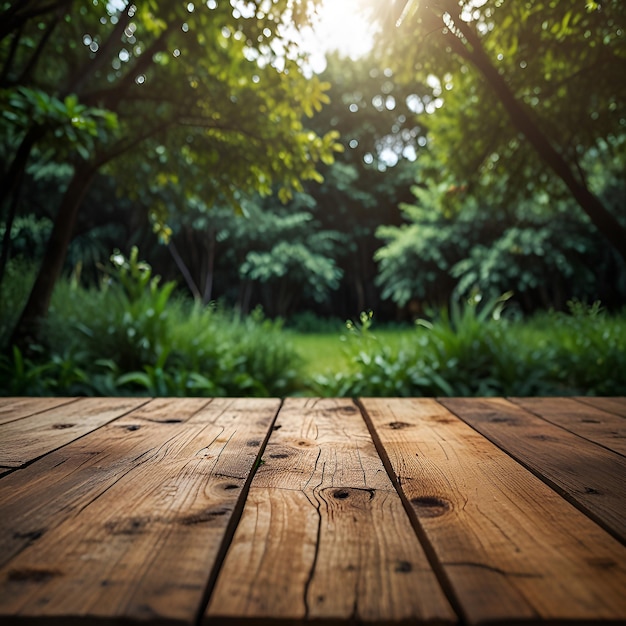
(132, 335)
(474, 349)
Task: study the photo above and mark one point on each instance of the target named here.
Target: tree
(517, 80)
(219, 87)
(289, 255)
(363, 187)
(453, 244)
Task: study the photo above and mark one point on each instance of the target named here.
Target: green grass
(330, 353)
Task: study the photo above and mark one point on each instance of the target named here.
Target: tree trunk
(11, 180)
(600, 216)
(210, 269)
(184, 270)
(25, 332)
(8, 227)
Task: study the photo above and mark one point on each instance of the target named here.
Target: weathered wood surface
(324, 535)
(588, 475)
(148, 503)
(612, 405)
(509, 545)
(30, 437)
(384, 511)
(12, 409)
(601, 427)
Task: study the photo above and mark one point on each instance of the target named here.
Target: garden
(189, 208)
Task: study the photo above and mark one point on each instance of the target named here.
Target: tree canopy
(526, 91)
(214, 93)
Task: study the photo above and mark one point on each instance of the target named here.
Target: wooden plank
(615, 405)
(12, 409)
(31, 437)
(324, 535)
(589, 476)
(42, 495)
(141, 529)
(596, 425)
(511, 548)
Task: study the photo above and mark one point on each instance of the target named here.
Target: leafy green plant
(134, 336)
(475, 350)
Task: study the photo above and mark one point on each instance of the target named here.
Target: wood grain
(596, 425)
(589, 476)
(324, 535)
(147, 505)
(511, 548)
(12, 409)
(615, 405)
(31, 437)
(44, 494)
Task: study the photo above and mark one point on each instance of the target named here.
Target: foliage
(308, 322)
(475, 350)
(102, 80)
(292, 254)
(451, 243)
(277, 254)
(503, 76)
(28, 236)
(13, 293)
(133, 337)
(215, 96)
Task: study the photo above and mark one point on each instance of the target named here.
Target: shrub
(474, 350)
(134, 336)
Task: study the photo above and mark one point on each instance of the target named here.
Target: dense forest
(478, 149)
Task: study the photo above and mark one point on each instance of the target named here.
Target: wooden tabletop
(381, 511)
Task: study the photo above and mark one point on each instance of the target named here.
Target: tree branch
(93, 65)
(12, 19)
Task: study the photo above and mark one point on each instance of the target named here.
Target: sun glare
(341, 26)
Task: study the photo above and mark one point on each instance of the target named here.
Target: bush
(474, 350)
(133, 336)
(307, 322)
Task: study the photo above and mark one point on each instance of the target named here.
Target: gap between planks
(324, 534)
(588, 475)
(159, 554)
(511, 548)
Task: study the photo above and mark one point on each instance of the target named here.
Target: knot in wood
(33, 575)
(430, 506)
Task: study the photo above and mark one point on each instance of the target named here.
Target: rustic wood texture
(147, 504)
(324, 535)
(12, 409)
(590, 476)
(615, 405)
(510, 547)
(30, 437)
(594, 424)
(42, 495)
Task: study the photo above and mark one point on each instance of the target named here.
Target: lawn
(325, 353)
